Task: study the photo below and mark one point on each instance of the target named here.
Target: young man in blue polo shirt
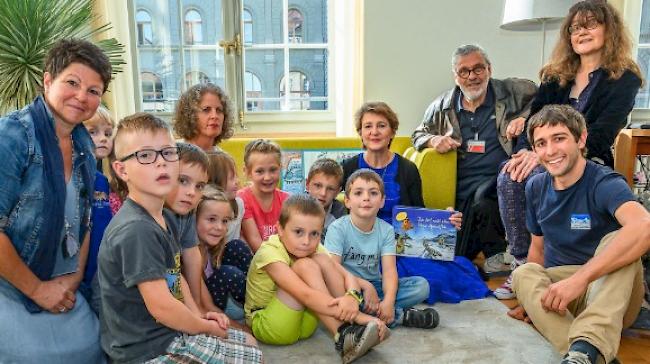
(579, 298)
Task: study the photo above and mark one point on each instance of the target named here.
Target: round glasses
(465, 72)
(148, 156)
(589, 24)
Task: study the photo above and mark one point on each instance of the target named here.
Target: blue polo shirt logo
(580, 222)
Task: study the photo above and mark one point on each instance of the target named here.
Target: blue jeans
(410, 291)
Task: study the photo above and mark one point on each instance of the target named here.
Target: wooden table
(629, 144)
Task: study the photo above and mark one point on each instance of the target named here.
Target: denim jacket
(21, 174)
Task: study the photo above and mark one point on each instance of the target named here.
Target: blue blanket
(450, 282)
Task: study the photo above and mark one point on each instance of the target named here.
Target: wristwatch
(355, 294)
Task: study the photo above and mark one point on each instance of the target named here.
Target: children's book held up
(424, 233)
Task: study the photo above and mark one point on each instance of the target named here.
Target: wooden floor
(635, 344)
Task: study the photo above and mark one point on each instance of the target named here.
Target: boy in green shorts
(292, 283)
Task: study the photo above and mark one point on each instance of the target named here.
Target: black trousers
(482, 228)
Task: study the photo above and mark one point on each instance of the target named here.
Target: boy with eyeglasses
(147, 310)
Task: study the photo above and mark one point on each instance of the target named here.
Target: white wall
(408, 46)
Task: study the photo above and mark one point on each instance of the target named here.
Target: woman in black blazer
(591, 69)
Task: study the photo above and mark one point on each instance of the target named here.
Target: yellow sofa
(438, 171)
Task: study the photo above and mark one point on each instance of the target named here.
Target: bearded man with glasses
(478, 119)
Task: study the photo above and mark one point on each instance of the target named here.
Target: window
(143, 24)
(280, 40)
(193, 34)
(253, 92)
(247, 19)
(286, 47)
(194, 77)
(294, 26)
(152, 92)
(643, 57)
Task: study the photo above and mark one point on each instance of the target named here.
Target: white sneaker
(496, 263)
(504, 291)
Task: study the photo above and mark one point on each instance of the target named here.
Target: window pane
(267, 24)
(310, 91)
(193, 29)
(247, 21)
(268, 67)
(644, 36)
(207, 61)
(643, 97)
(314, 20)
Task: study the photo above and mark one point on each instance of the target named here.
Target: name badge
(476, 146)
(580, 222)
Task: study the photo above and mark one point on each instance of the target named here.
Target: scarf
(54, 192)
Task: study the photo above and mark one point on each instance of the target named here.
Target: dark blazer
(408, 178)
(606, 112)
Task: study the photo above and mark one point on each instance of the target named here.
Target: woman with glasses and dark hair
(592, 70)
(204, 116)
(47, 176)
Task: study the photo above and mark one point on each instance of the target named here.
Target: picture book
(424, 233)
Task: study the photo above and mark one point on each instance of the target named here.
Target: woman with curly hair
(592, 70)
(204, 116)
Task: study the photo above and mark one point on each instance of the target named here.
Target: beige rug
(476, 331)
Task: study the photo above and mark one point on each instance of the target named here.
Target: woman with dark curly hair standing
(203, 116)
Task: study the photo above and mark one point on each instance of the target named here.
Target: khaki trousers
(609, 305)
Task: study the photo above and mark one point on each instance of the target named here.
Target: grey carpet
(476, 331)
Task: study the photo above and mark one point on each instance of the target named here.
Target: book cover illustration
(424, 233)
(296, 165)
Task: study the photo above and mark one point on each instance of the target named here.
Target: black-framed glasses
(148, 156)
(588, 24)
(477, 70)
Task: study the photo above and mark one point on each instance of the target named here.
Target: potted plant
(28, 28)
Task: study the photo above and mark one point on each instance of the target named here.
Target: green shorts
(278, 324)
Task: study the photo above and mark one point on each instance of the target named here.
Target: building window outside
(253, 92)
(195, 77)
(152, 92)
(193, 30)
(143, 25)
(294, 26)
(298, 89)
(247, 20)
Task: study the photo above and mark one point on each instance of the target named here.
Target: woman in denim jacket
(47, 170)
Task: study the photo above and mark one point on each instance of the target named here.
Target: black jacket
(408, 178)
(606, 112)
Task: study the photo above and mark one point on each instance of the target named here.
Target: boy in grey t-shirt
(147, 309)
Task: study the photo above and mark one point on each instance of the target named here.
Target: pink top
(265, 220)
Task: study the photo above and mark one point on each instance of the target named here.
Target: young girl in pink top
(262, 199)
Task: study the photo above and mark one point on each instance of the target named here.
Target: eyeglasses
(464, 72)
(148, 156)
(589, 24)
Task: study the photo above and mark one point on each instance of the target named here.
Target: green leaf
(28, 29)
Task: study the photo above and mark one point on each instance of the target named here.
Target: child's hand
(220, 318)
(456, 218)
(214, 329)
(386, 312)
(348, 307)
(383, 329)
(370, 300)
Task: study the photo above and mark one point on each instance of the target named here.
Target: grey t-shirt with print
(136, 249)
